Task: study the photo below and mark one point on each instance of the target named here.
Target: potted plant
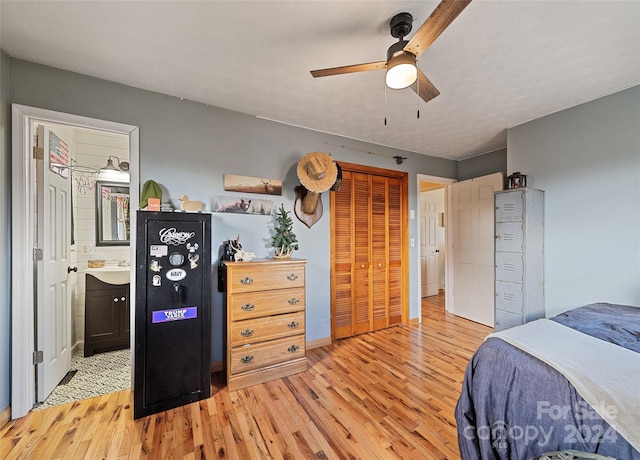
(284, 240)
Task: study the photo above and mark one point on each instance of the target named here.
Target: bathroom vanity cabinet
(106, 317)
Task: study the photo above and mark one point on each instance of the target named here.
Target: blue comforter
(513, 406)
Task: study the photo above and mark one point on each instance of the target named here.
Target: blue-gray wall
(587, 160)
(483, 165)
(5, 232)
(187, 147)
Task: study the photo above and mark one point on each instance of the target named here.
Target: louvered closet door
(394, 248)
(343, 227)
(361, 257)
(368, 230)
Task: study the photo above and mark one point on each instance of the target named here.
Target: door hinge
(37, 254)
(38, 151)
(38, 357)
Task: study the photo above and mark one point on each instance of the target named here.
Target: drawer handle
(293, 324)
(292, 277)
(246, 359)
(293, 300)
(122, 298)
(115, 299)
(246, 280)
(293, 348)
(246, 333)
(247, 307)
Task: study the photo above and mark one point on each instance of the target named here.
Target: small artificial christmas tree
(284, 240)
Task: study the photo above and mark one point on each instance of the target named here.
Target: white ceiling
(499, 64)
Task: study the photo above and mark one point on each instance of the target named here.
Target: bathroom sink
(111, 275)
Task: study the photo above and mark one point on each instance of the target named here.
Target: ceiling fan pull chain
(418, 91)
(385, 104)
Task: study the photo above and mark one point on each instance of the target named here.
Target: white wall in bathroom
(92, 150)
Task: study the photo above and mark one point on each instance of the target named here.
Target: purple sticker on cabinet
(175, 314)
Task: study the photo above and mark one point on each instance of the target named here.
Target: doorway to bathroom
(87, 147)
(89, 169)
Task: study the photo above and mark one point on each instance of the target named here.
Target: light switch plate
(412, 214)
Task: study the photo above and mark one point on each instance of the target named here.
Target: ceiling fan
(402, 70)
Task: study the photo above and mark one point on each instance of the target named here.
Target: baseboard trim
(311, 344)
(217, 366)
(5, 416)
(414, 322)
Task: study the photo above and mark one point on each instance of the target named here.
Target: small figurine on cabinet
(239, 253)
(516, 180)
(188, 205)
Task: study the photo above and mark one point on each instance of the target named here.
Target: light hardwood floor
(388, 394)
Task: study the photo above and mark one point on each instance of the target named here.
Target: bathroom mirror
(112, 214)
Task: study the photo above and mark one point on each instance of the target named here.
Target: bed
(516, 404)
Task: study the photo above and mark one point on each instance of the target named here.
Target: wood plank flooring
(383, 395)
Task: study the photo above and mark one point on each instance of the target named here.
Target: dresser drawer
(254, 305)
(509, 267)
(250, 357)
(510, 206)
(509, 297)
(263, 277)
(510, 236)
(267, 328)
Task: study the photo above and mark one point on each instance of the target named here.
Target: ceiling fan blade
(349, 69)
(436, 23)
(425, 89)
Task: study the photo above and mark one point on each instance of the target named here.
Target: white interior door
(473, 243)
(432, 245)
(53, 292)
(423, 247)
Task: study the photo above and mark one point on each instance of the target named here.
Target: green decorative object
(284, 240)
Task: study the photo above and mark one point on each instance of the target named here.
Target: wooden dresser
(265, 321)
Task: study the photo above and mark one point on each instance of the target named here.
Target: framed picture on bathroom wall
(247, 184)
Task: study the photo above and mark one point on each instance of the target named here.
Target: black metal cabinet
(106, 316)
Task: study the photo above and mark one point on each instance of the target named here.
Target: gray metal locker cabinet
(519, 253)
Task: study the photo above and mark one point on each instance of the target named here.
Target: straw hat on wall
(317, 171)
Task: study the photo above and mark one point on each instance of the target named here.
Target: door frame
(23, 238)
(448, 267)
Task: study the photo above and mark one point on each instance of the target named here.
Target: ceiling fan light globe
(401, 68)
(401, 76)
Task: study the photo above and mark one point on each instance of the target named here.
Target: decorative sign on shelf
(241, 205)
(246, 184)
